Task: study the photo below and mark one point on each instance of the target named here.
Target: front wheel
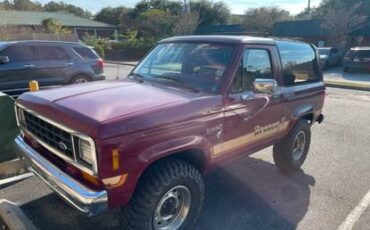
(291, 152)
(170, 196)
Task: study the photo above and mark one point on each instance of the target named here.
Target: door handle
(69, 63)
(29, 66)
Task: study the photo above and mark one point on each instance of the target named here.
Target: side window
(50, 53)
(256, 63)
(86, 53)
(20, 53)
(298, 62)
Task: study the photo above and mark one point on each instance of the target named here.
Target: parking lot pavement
(114, 70)
(250, 193)
(337, 74)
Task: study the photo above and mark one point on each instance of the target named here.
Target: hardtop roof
(221, 39)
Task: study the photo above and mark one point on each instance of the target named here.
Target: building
(27, 23)
(310, 31)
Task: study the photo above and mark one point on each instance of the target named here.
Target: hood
(101, 101)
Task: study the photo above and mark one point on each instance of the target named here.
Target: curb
(348, 85)
(12, 167)
(13, 217)
(120, 63)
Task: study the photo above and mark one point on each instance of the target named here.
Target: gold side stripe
(247, 139)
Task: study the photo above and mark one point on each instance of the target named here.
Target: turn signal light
(115, 159)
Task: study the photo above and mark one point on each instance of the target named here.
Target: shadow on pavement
(253, 194)
(247, 194)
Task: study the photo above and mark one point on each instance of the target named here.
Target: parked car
(330, 56)
(193, 103)
(357, 58)
(50, 63)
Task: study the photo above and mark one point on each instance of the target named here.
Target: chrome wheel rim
(299, 145)
(79, 81)
(172, 209)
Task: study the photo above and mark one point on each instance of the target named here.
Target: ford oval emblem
(62, 146)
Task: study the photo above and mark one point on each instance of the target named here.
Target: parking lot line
(356, 213)
(15, 178)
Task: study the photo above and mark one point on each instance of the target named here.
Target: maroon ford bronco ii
(144, 142)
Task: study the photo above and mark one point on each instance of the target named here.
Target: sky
(236, 6)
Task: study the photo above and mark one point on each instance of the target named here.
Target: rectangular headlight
(85, 151)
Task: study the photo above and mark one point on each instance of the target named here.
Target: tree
(111, 15)
(262, 19)
(186, 24)
(52, 25)
(156, 22)
(25, 5)
(341, 20)
(69, 8)
(211, 13)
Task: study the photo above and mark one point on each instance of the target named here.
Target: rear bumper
(99, 77)
(85, 200)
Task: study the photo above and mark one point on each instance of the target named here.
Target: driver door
(252, 118)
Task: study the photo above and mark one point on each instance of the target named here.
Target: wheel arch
(306, 112)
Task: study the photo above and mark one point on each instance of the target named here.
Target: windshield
(200, 66)
(324, 51)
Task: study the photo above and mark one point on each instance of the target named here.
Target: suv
(50, 63)
(330, 56)
(357, 58)
(191, 104)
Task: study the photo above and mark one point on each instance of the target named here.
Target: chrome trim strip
(93, 171)
(85, 200)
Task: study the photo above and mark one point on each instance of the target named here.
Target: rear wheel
(291, 152)
(79, 79)
(169, 196)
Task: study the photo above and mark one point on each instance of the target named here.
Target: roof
(217, 29)
(363, 30)
(360, 48)
(301, 28)
(221, 39)
(41, 42)
(32, 18)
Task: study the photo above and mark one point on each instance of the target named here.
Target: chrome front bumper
(85, 200)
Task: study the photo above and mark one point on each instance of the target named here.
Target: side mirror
(268, 86)
(4, 59)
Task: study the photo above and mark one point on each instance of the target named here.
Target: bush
(146, 43)
(100, 45)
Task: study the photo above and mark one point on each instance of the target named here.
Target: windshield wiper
(176, 82)
(136, 76)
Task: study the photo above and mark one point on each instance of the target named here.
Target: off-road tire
(155, 183)
(283, 150)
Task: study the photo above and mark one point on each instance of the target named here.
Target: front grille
(55, 137)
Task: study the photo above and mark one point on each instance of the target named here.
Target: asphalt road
(251, 193)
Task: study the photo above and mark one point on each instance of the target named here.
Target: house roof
(301, 28)
(363, 30)
(31, 18)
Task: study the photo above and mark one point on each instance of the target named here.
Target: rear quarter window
(86, 53)
(299, 63)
